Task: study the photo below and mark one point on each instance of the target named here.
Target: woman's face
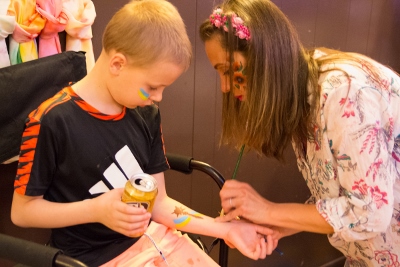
(219, 59)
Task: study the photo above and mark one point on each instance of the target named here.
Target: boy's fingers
(264, 230)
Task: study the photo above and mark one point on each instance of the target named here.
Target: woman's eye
(226, 72)
(153, 88)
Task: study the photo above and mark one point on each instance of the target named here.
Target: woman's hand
(119, 216)
(239, 199)
(253, 241)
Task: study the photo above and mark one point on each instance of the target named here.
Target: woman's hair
(148, 31)
(278, 70)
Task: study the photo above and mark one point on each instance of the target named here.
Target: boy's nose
(156, 97)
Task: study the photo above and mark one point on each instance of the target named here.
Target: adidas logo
(115, 175)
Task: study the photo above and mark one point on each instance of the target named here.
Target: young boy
(80, 147)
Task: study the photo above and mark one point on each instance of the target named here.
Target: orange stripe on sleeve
(24, 169)
(26, 156)
(31, 130)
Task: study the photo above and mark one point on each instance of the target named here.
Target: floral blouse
(352, 163)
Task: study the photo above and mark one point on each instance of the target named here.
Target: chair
(24, 86)
(33, 254)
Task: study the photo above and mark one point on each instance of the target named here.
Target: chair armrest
(33, 254)
(187, 164)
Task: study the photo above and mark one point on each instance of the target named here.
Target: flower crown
(218, 19)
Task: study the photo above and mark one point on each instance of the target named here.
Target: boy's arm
(246, 237)
(108, 209)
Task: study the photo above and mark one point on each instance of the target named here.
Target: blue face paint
(143, 94)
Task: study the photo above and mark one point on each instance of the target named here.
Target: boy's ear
(117, 62)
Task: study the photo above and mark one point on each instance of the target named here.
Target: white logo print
(114, 175)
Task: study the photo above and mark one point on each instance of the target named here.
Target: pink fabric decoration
(81, 15)
(178, 249)
(7, 25)
(49, 41)
(29, 24)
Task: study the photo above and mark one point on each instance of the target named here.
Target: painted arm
(246, 237)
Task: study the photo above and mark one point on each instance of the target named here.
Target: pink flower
(242, 32)
(236, 21)
(386, 259)
(378, 197)
(217, 19)
(349, 110)
(361, 186)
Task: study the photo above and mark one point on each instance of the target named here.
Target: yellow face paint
(143, 94)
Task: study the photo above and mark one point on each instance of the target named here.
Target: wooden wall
(191, 111)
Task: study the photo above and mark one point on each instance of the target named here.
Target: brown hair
(148, 31)
(278, 71)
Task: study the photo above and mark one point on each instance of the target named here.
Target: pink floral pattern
(387, 259)
(352, 163)
(361, 186)
(349, 108)
(378, 197)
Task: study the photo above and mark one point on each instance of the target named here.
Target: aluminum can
(141, 190)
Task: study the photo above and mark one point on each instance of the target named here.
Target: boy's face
(136, 86)
(219, 59)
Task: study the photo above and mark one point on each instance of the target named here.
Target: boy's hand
(119, 216)
(253, 241)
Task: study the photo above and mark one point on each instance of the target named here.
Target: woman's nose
(225, 85)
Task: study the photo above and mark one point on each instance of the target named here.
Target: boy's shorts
(179, 251)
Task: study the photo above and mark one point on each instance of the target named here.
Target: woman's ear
(117, 62)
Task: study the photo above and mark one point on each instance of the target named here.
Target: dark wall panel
(360, 12)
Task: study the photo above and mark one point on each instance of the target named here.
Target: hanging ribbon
(7, 25)
(56, 21)
(23, 46)
(81, 15)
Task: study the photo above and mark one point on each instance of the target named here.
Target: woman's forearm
(300, 217)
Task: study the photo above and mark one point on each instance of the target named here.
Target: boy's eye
(226, 72)
(153, 88)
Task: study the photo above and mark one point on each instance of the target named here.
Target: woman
(340, 111)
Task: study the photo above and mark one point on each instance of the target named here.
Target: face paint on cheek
(143, 94)
(239, 76)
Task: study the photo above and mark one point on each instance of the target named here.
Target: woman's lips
(240, 97)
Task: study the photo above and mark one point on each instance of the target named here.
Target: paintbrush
(233, 177)
(221, 214)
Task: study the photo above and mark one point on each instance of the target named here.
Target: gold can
(141, 190)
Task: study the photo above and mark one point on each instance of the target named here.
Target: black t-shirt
(72, 152)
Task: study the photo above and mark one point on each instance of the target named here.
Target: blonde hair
(278, 72)
(148, 31)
